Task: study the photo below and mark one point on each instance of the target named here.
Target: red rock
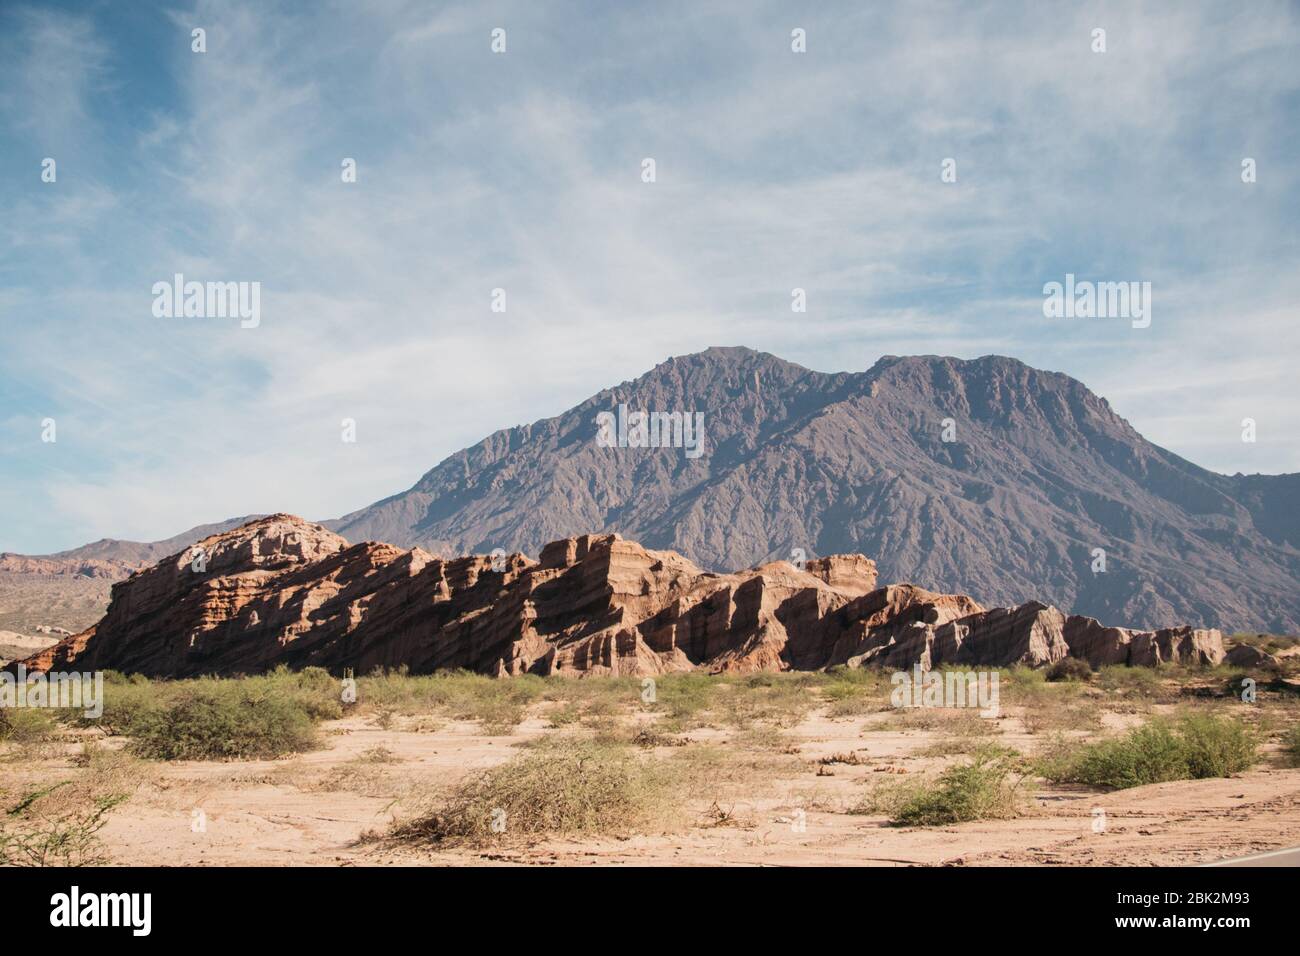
(281, 590)
(1097, 644)
(1031, 634)
(1101, 646)
(1247, 655)
(1176, 645)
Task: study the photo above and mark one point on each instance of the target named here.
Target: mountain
(281, 590)
(70, 589)
(1039, 473)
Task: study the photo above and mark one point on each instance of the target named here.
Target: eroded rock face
(281, 590)
(1244, 655)
(1101, 646)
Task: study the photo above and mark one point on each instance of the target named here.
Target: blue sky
(521, 171)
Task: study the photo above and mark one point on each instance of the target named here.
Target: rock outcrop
(281, 590)
(1100, 646)
(72, 589)
(1246, 655)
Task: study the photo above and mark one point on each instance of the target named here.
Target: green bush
(224, 721)
(1193, 747)
(986, 788)
(319, 695)
(1216, 746)
(26, 725)
(499, 705)
(125, 703)
(686, 699)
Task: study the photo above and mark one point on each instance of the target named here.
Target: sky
(522, 170)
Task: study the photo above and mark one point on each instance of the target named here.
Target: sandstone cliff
(283, 590)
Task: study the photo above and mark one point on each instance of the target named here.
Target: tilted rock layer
(281, 590)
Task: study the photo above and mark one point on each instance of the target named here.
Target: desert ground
(767, 769)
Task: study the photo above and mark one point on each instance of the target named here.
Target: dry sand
(315, 808)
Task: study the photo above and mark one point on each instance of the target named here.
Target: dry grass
(55, 824)
(953, 746)
(952, 721)
(1291, 746)
(1067, 715)
(569, 786)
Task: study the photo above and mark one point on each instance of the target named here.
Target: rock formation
(1246, 656)
(74, 587)
(281, 590)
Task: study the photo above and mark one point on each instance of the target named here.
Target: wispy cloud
(521, 171)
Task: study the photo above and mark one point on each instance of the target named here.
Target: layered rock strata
(280, 590)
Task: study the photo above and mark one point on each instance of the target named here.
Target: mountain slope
(1040, 472)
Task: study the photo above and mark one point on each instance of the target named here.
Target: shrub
(780, 699)
(986, 788)
(566, 786)
(1216, 746)
(31, 835)
(317, 694)
(26, 725)
(125, 704)
(1121, 678)
(1291, 745)
(497, 704)
(1069, 668)
(223, 721)
(685, 698)
(1191, 748)
(855, 691)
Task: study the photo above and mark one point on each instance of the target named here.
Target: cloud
(57, 64)
(521, 171)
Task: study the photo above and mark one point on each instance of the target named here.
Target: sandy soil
(315, 809)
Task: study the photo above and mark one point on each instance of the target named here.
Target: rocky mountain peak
(979, 475)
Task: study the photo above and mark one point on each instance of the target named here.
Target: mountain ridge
(856, 462)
